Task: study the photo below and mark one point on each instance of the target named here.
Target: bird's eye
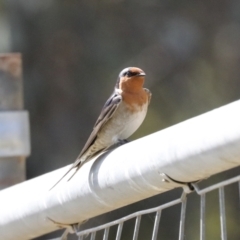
(131, 74)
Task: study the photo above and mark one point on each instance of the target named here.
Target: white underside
(122, 125)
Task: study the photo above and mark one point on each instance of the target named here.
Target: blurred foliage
(74, 50)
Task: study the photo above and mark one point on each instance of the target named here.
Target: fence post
(14, 124)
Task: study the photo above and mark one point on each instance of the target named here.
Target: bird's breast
(123, 123)
(133, 120)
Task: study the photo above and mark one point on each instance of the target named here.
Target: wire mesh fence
(138, 226)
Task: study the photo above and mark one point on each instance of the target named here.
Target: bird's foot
(122, 141)
(119, 143)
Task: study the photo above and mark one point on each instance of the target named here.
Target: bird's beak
(142, 74)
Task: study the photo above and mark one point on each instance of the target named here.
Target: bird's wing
(108, 110)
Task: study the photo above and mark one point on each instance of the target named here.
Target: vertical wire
(239, 191)
(93, 235)
(222, 214)
(64, 236)
(106, 232)
(202, 216)
(136, 228)
(119, 231)
(182, 220)
(156, 225)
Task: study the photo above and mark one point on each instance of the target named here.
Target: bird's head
(130, 78)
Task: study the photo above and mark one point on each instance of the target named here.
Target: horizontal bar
(218, 185)
(187, 152)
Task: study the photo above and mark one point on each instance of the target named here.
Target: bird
(121, 116)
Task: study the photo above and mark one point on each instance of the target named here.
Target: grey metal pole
(14, 129)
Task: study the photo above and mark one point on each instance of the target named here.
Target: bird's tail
(78, 164)
(69, 170)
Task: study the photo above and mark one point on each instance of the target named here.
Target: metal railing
(189, 151)
(91, 232)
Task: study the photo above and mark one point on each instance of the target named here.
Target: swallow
(121, 116)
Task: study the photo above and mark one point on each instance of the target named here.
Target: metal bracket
(14, 134)
(70, 228)
(187, 187)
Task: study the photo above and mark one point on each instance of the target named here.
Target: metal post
(202, 216)
(222, 214)
(14, 132)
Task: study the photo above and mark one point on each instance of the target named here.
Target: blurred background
(73, 52)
